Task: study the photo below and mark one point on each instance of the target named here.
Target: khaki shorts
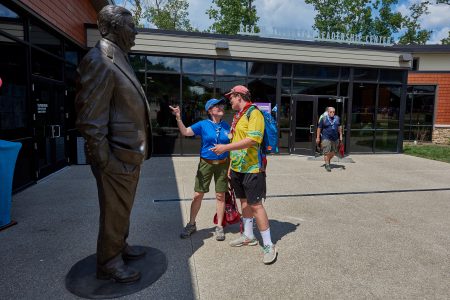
(205, 173)
(329, 146)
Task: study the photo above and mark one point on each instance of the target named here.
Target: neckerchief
(331, 122)
(237, 116)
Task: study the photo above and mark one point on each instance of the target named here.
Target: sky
(296, 14)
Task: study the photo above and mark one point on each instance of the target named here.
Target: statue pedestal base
(82, 281)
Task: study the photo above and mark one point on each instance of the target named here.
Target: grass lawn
(430, 151)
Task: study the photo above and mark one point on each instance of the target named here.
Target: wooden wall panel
(68, 16)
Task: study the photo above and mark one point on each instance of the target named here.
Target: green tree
(446, 41)
(414, 34)
(136, 8)
(232, 16)
(366, 17)
(169, 14)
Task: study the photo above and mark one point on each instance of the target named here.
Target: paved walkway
(377, 228)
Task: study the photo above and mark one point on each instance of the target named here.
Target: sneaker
(188, 231)
(270, 254)
(220, 235)
(328, 167)
(243, 240)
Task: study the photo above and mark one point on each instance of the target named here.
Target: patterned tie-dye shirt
(247, 160)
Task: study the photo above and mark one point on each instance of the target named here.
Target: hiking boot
(328, 167)
(220, 235)
(243, 240)
(188, 231)
(270, 254)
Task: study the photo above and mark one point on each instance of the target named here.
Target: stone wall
(441, 135)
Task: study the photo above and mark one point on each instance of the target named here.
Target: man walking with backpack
(247, 175)
(331, 130)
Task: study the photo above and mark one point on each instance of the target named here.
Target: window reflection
(163, 64)
(314, 71)
(11, 23)
(262, 69)
(365, 74)
(388, 111)
(419, 113)
(196, 91)
(363, 106)
(45, 65)
(228, 67)
(198, 66)
(361, 141)
(45, 40)
(386, 141)
(263, 90)
(164, 90)
(314, 87)
(391, 75)
(13, 100)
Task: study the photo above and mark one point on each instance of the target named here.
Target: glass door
(49, 117)
(303, 124)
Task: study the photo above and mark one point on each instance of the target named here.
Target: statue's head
(116, 24)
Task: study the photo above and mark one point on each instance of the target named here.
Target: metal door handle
(311, 128)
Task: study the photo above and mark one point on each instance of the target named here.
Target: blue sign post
(8, 157)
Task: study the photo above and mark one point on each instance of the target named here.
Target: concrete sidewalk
(377, 228)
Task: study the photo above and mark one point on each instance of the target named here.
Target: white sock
(248, 228)
(267, 240)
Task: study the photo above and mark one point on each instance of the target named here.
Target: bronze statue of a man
(114, 118)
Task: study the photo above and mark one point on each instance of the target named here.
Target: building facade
(380, 100)
(41, 43)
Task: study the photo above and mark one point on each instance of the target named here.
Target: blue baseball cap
(211, 102)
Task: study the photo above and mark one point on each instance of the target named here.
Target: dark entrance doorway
(306, 110)
(48, 98)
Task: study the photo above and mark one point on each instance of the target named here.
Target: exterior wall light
(405, 57)
(222, 46)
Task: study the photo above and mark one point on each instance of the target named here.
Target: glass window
(286, 70)
(318, 72)
(11, 23)
(418, 133)
(45, 40)
(286, 86)
(361, 141)
(345, 73)
(13, 92)
(198, 66)
(363, 106)
(164, 90)
(263, 90)
(343, 89)
(365, 74)
(422, 89)
(391, 75)
(46, 65)
(163, 64)
(5, 12)
(262, 69)
(422, 110)
(284, 113)
(229, 67)
(314, 87)
(386, 141)
(388, 111)
(72, 53)
(138, 63)
(197, 90)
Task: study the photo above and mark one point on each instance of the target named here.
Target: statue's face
(126, 34)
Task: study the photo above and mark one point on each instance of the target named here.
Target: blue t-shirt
(211, 134)
(330, 127)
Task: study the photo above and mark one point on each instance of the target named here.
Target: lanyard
(331, 122)
(237, 117)
(218, 129)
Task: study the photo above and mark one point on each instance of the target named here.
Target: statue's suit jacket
(113, 114)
